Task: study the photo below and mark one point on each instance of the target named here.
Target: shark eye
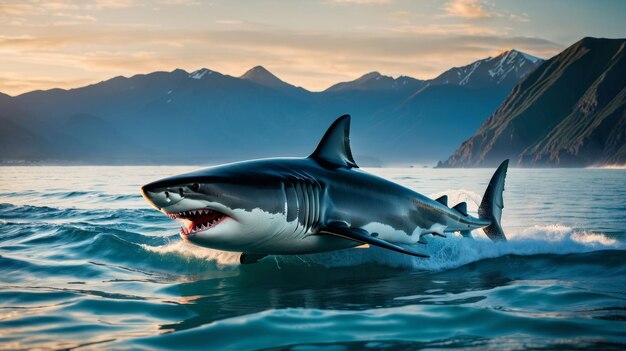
(195, 187)
(180, 192)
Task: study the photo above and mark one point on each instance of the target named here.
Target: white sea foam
(452, 252)
(185, 249)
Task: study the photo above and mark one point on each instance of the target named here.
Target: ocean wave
(446, 253)
(76, 196)
(318, 329)
(48, 213)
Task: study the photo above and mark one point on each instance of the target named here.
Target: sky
(313, 44)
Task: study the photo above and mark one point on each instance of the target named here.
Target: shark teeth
(195, 220)
(187, 214)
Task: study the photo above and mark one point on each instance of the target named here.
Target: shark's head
(220, 207)
(251, 205)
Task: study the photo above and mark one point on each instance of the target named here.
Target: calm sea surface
(86, 263)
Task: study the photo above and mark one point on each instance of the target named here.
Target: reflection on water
(85, 261)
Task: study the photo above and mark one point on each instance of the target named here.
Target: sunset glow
(314, 44)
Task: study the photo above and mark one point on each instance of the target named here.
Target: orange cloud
(361, 2)
(468, 9)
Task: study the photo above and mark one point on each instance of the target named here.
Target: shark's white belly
(258, 231)
(398, 236)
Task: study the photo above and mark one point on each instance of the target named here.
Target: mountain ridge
(254, 115)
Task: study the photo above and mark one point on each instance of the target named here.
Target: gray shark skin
(324, 202)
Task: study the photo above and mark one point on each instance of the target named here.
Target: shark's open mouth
(196, 221)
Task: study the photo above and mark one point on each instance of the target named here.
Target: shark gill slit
(314, 205)
(299, 207)
(283, 193)
(300, 221)
(318, 205)
(292, 204)
(309, 190)
(302, 199)
(305, 202)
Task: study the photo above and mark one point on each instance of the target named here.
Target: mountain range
(207, 117)
(569, 112)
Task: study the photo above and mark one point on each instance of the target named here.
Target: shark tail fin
(492, 204)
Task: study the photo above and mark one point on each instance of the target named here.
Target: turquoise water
(84, 261)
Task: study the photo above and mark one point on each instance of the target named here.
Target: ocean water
(86, 263)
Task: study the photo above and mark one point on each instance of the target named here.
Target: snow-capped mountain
(507, 68)
(201, 73)
(377, 81)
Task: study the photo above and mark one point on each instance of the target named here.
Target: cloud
(76, 17)
(180, 2)
(20, 42)
(229, 22)
(35, 14)
(519, 18)
(468, 9)
(361, 2)
(401, 16)
(111, 4)
(460, 29)
(15, 8)
(34, 7)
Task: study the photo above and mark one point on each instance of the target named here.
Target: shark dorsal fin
(334, 149)
(461, 208)
(443, 200)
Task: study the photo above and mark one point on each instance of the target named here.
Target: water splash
(184, 249)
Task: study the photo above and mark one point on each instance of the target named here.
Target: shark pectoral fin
(342, 229)
(248, 258)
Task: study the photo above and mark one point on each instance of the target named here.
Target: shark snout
(162, 196)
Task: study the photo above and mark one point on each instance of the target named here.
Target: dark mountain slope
(568, 112)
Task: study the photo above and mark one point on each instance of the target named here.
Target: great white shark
(323, 202)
